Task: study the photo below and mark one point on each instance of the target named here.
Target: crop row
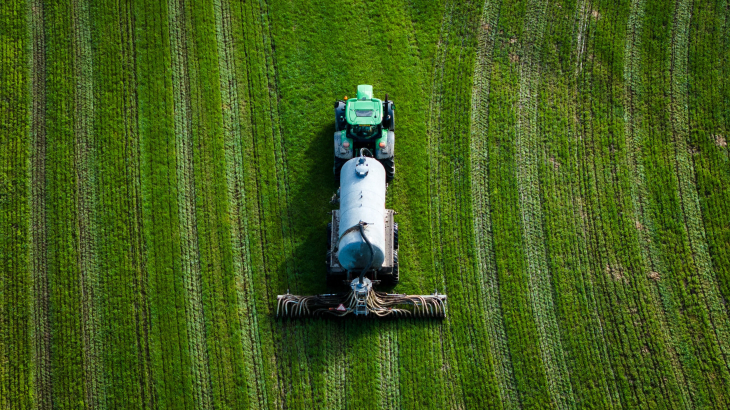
(563, 51)
(679, 347)
(708, 125)
(486, 274)
(64, 296)
(630, 312)
(526, 157)
(465, 333)
(664, 246)
(651, 263)
(519, 298)
(694, 225)
(229, 26)
(16, 387)
(186, 196)
(40, 330)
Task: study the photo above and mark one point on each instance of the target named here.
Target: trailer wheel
(395, 235)
(395, 275)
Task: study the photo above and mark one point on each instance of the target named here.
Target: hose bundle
(379, 304)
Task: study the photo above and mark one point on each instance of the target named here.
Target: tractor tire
(339, 162)
(389, 165)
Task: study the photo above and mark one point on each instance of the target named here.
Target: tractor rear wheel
(389, 165)
(339, 162)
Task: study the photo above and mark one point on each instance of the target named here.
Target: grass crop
(562, 173)
(16, 281)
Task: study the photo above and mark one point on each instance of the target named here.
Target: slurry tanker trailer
(362, 238)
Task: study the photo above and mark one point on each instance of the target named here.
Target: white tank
(362, 198)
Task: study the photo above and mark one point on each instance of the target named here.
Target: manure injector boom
(362, 238)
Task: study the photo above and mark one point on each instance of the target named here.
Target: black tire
(396, 272)
(389, 165)
(329, 237)
(339, 162)
(395, 235)
(389, 120)
(340, 123)
(391, 279)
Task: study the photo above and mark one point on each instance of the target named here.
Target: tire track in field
(481, 209)
(692, 213)
(40, 330)
(531, 211)
(649, 253)
(86, 198)
(247, 313)
(189, 247)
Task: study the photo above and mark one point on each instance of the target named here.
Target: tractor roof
(365, 109)
(364, 92)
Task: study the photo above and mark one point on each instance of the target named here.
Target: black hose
(372, 251)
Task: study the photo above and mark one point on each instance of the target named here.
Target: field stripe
(686, 175)
(465, 337)
(668, 246)
(133, 154)
(189, 247)
(84, 161)
(633, 321)
(186, 208)
(168, 333)
(531, 212)
(708, 49)
(693, 225)
(254, 369)
(668, 320)
(454, 396)
(124, 331)
(64, 287)
(41, 335)
(568, 36)
(262, 217)
(16, 344)
(481, 207)
(389, 376)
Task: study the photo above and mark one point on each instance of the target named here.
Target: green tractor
(365, 122)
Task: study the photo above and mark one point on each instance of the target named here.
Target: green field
(562, 174)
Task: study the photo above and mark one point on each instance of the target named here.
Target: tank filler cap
(361, 169)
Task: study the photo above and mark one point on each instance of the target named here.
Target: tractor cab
(364, 114)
